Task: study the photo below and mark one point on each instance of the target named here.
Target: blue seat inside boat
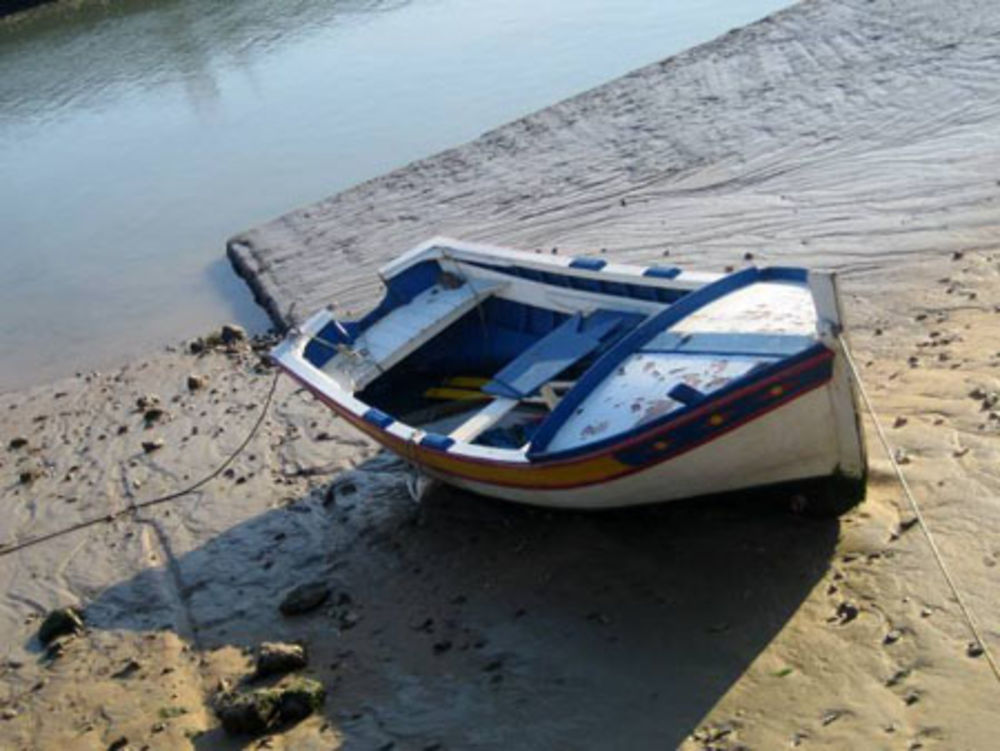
(565, 345)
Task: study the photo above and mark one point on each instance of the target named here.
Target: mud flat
(463, 623)
(863, 137)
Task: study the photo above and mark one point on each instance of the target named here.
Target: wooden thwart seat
(564, 346)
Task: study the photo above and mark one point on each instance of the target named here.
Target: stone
(153, 414)
(252, 712)
(300, 698)
(196, 382)
(304, 598)
(247, 712)
(147, 401)
(153, 445)
(17, 442)
(60, 622)
(846, 612)
(276, 658)
(118, 744)
(29, 475)
(231, 333)
(128, 669)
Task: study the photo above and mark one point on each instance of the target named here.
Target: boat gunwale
(606, 449)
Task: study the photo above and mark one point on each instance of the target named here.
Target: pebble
(17, 442)
(231, 333)
(304, 598)
(898, 677)
(893, 636)
(153, 445)
(974, 649)
(130, 667)
(153, 414)
(28, 476)
(277, 658)
(60, 622)
(258, 710)
(147, 401)
(195, 382)
(847, 612)
(831, 717)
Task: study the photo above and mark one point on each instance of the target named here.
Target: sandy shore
(469, 624)
(858, 136)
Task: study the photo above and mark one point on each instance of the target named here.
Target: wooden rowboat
(578, 382)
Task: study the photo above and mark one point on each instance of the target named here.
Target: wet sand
(464, 623)
(472, 624)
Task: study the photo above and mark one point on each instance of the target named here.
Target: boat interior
(518, 359)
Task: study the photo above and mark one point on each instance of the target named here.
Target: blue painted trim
(318, 352)
(784, 274)
(635, 291)
(662, 272)
(718, 343)
(437, 441)
(591, 264)
(399, 291)
(822, 371)
(687, 395)
(378, 418)
(671, 441)
(630, 344)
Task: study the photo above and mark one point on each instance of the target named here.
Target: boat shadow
(471, 623)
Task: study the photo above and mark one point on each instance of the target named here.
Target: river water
(137, 135)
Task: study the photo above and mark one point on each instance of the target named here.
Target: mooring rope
(966, 610)
(132, 508)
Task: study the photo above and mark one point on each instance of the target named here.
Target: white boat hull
(699, 385)
(791, 443)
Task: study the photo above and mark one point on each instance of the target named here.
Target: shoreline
(465, 623)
